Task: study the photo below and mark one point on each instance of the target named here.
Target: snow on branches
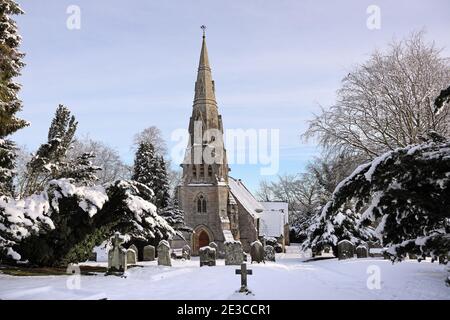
(404, 194)
(63, 223)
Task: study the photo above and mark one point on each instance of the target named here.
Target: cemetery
(312, 169)
(293, 275)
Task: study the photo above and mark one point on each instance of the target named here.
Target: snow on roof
(273, 219)
(244, 197)
(277, 206)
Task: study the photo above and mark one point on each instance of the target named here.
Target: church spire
(204, 60)
(204, 87)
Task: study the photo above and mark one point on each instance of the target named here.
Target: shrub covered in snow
(65, 222)
(404, 193)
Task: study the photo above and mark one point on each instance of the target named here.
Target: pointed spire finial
(203, 27)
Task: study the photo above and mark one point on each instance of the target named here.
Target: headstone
(186, 252)
(346, 250)
(149, 253)
(214, 246)
(176, 254)
(234, 254)
(361, 251)
(117, 256)
(257, 252)
(164, 253)
(326, 249)
(131, 256)
(269, 253)
(243, 271)
(207, 256)
(135, 250)
(375, 249)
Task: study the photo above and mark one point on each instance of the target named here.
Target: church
(217, 207)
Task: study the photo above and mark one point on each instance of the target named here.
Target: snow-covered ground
(288, 278)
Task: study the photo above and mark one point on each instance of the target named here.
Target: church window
(194, 170)
(202, 170)
(210, 172)
(201, 204)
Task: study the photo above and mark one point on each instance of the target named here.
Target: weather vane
(203, 27)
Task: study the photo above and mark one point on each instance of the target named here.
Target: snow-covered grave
(291, 277)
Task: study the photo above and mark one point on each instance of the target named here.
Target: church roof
(244, 197)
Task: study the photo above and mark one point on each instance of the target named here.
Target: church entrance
(203, 239)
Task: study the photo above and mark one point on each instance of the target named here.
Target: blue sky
(133, 64)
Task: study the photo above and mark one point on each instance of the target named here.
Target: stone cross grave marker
(117, 256)
(244, 272)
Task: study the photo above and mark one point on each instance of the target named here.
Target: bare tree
(387, 102)
(152, 135)
(23, 156)
(106, 158)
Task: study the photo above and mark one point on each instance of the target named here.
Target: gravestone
(149, 253)
(214, 246)
(207, 256)
(233, 253)
(135, 250)
(176, 254)
(375, 249)
(186, 252)
(164, 253)
(243, 271)
(257, 252)
(346, 250)
(219, 254)
(117, 256)
(269, 253)
(361, 251)
(131, 256)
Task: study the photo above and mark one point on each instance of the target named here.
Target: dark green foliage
(50, 161)
(405, 192)
(7, 157)
(150, 170)
(77, 230)
(174, 216)
(10, 67)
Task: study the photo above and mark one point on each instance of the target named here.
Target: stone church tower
(204, 194)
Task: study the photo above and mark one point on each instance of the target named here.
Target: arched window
(202, 170)
(194, 171)
(210, 172)
(201, 204)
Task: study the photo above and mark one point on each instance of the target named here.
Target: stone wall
(247, 228)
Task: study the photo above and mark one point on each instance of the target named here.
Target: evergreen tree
(161, 184)
(50, 161)
(10, 67)
(405, 193)
(144, 166)
(62, 224)
(150, 170)
(174, 216)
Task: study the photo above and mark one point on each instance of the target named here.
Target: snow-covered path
(289, 278)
